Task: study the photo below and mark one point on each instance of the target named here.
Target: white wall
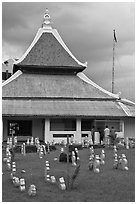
(129, 127)
(47, 136)
(78, 130)
(59, 139)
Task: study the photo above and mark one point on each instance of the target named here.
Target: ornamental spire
(47, 20)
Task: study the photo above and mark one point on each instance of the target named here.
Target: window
(101, 124)
(20, 127)
(115, 124)
(86, 124)
(84, 135)
(62, 125)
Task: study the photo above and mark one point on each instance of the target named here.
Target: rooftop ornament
(47, 20)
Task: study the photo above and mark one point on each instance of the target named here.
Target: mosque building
(48, 96)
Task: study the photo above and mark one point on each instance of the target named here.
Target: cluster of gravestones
(11, 141)
(31, 141)
(11, 166)
(74, 159)
(20, 182)
(85, 142)
(119, 161)
(73, 156)
(51, 178)
(41, 149)
(95, 161)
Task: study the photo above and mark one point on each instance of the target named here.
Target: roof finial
(47, 20)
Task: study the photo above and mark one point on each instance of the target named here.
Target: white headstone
(27, 141)
(96, 138)
(22, 184)
(96, 166)
(62, 183)
(73, 159)
(32, 190)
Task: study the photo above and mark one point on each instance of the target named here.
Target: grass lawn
(109, 185)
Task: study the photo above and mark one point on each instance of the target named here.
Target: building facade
(48, 96)
(7, 69)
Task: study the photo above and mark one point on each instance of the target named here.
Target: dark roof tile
(48, 52)
(61, 108)
(70, 86)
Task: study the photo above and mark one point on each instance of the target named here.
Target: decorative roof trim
(86, 79)
(59, 39)
(124, 100)
(125, 109)
(8, 60)
(38, 35)
(47, 20)
(13, 77)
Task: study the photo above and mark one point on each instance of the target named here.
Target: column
(2, 130)
(47, 131)
(78, 130)
(122, 128)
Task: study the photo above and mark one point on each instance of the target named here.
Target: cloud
(11, 51)
(101, 73)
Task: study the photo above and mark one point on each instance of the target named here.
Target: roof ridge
(37, 36)
(89, 81)
(125, 109)
(58, 37)
(124, 100)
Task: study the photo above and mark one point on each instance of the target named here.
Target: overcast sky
(87, 30)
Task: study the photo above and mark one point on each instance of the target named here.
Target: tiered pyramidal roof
(48, 81)
(47, 52)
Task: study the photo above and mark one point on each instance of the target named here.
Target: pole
(12, 149)
(68, 162)
(113, 66)
(12, 139)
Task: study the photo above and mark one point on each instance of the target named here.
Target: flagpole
(113, 65)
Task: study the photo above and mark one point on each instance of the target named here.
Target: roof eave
(66, 115)
(46, 68)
